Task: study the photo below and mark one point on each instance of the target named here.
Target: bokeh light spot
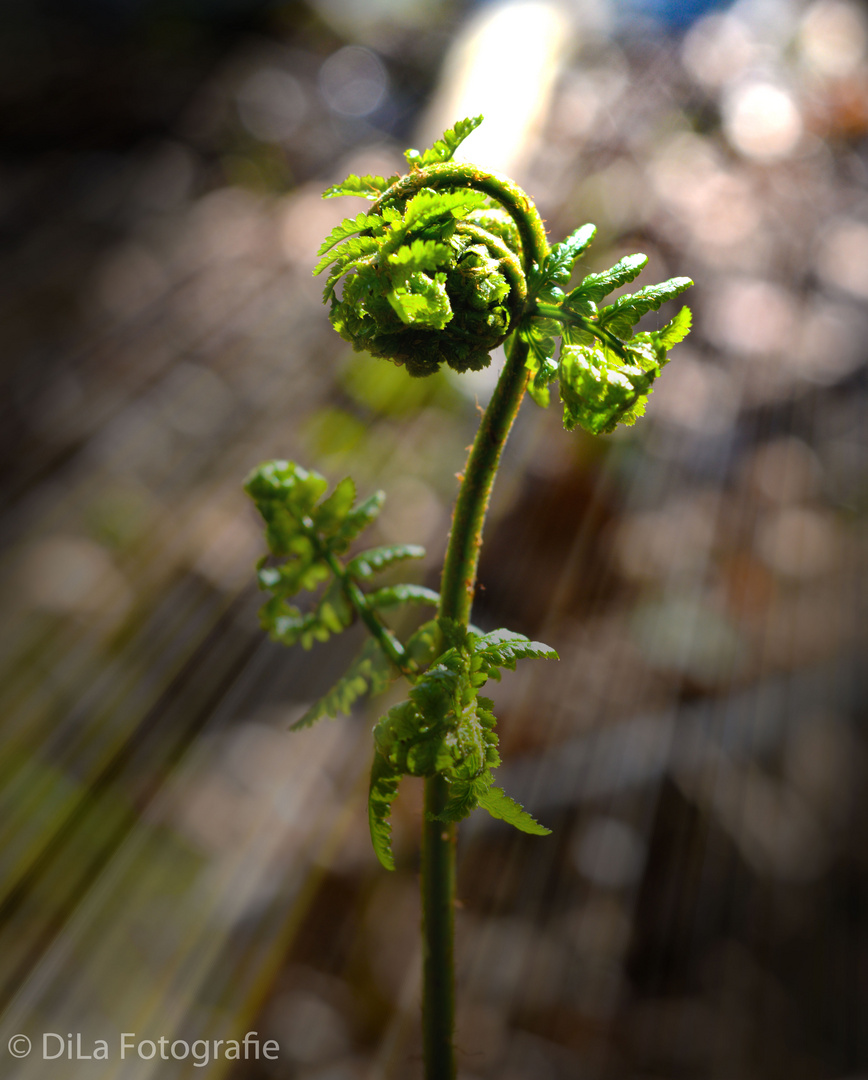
(833, 37)
(353, 81)
(762, 121)
(272, 104)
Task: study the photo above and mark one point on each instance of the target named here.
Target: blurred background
(173, 863)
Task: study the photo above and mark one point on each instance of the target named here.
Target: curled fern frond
(605, 370)
(433, 274)
(451, 260)
(448, 261)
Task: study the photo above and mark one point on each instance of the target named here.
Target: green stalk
(457, 587)
(462, 555)
(572, 318)
(456, 599)
(438, 931)
(387, 640)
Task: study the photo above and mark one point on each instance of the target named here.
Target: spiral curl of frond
(452, 259)
(437, 272)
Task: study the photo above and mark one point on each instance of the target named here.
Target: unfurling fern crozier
(449, 262)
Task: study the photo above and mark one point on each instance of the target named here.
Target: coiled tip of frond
(434, 274)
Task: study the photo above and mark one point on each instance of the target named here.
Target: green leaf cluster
(308, 533)
(445, 264)
(558, 265)
(445, 727)
(605, 370)
(428, 279)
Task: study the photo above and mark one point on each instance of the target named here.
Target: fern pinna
(450, 262)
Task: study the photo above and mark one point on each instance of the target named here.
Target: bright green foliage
(348, 227)
(311, 532)
(672, 333)
(620, 317)
(596, 286)
(347, 254)
(445, 727)
(367, 187)
(544, 285)
(559, 263)
(500, 805)
(541, 336)
(597, 396)
(359, 518)
(599, 390)
(428, 279)
(498, 223)
(606, 372)
(502, 648)
(446, 265)
(444, 148)
(382, 793)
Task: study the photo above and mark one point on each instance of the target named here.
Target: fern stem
(388, 642)
(438, 931)
(572, 318)
(457, 587)
(462, 555)
(456, 599)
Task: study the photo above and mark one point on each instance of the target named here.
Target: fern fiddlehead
(449, 263)
(437, 271)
